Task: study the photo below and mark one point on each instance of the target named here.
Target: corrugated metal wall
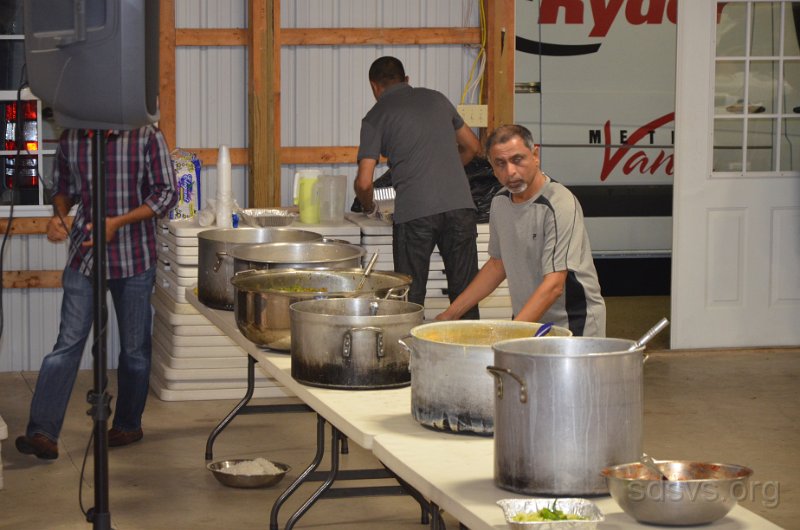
(324, 89)
(324, 95)
(31, 316)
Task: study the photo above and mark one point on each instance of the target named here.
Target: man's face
(515, 166)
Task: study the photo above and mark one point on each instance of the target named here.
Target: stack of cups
(224, 205)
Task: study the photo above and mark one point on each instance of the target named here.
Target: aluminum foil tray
(260, 217)
(582, 507)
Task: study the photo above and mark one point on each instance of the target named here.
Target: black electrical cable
(15, 182)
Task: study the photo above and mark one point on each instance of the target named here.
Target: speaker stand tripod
(100, 400)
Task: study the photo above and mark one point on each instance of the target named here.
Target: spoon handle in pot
(367, 271)
(655, 330)
(543, 330)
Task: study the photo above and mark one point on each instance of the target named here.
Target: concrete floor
(739, 407)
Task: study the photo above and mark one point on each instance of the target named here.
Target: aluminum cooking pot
(215, 262)
(352, 343)
(565, 409)
(319, 255)
(262, 297)
(450, 390)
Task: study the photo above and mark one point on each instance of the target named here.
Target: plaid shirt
(138, 171)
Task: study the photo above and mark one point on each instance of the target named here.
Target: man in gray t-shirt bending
(538, 241)
(427, 145)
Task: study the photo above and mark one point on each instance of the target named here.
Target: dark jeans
(454, 232)
(60, 367)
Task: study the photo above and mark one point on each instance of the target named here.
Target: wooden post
(500, 47)
(263, 96)
(166, 71)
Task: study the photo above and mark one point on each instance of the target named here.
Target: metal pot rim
(241, 252)
(498, 347)
(243, 277)
(298, 308)
(218, 234)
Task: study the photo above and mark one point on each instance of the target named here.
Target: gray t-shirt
(542, 235)
(414, 128)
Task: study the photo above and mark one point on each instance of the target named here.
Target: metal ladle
(655, 330)
(367, 270)
(543, 330)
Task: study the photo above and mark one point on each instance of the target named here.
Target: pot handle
(397, 293)
(405, 346)
(497, 372)
(347, 343)
(220, 256)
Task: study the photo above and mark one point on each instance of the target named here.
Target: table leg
(273, 516)
(243, 408)
(423, 504)
(251, 383)
(437, 522)
(336, 437)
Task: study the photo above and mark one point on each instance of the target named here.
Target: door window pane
(760, 142)
(757, 76)
(728, 136)
(731, 29)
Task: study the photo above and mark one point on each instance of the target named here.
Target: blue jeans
(59, 368)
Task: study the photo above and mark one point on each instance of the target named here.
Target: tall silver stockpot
(565, 408)
(352, 343)
(263, 297)
(215, 261)
(316, 255)
(450, 390)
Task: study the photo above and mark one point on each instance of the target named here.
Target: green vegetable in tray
(546, 514)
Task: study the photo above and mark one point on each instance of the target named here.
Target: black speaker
(95, 62)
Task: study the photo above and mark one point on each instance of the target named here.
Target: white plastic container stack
(192, 358)
(377, 235)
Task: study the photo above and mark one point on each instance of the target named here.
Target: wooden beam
(288, 155)
(263, 96)
(27, 225)
(332, 36)
(211, 37)
(32, 279)
(166, 79)
(500, 46)
(372, 36)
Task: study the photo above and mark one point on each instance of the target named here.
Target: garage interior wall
(324, 89)
(324, 93)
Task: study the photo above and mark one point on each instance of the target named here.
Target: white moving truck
(603, 113)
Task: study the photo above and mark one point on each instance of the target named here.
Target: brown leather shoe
(117, 438)
(39, 445)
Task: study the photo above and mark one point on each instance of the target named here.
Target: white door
(736, 215)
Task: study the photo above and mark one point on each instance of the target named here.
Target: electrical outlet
(475, 115)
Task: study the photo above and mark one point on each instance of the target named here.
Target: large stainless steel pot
(318, 255)
(262, 297)
(565, 408)
(352, 343)
(215, 262)
(450, 390)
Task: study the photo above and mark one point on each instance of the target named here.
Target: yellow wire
(481, 52)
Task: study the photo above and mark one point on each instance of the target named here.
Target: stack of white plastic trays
(376, 235)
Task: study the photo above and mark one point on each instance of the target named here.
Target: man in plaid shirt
(140, 186)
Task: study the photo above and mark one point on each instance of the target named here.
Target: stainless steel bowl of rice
(248, 472)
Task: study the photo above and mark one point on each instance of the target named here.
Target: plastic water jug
(306, 195)
(332, 197)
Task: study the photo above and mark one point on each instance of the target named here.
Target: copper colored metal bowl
(696, 492)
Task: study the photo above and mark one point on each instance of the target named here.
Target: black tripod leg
(251, 384)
